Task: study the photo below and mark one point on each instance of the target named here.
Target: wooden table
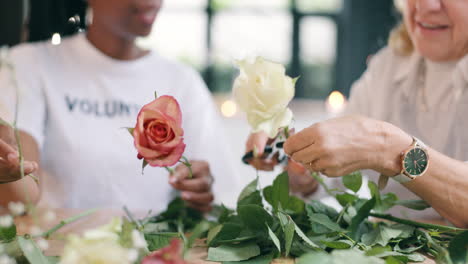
(45, 219)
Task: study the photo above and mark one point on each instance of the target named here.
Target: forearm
(445, 187)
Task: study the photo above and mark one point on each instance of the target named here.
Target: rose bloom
(169, 255)
(263, 91)
(158, 133)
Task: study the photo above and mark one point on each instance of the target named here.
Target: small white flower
(16, 208)
(6, 221)
(4, 259)
(49, 216)
(133, 255)
(138, 240)
(42, 244)
(35, 231)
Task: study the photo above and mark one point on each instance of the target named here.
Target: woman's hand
(196, 191)
(337, 147)
(257, 142)
(300, 180)
(10, 164)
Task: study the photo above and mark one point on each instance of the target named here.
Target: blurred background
(325, 42)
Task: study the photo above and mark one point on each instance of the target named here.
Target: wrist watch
(414, 161)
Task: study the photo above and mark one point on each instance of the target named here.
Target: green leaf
(264, 259)
(382, 202)
(288, 229)
(254, 198)
(315, 257)
(228, 231)
(233, 252)
(53, 259)
(213, 233)
(7, 233)
(458, 248)
(144, 163)
(304, 237)
(413, 204)
(392, 260)
(339, 257)
(353, 181)
(345, 198)
(31, 251)
(125, 238)
(280, 191)
(130, 130)
(325, 221)
(336, 244)
(268, 194)
(254, 217)
(321, 208)
(197, 232)
(362, 214)
(248, 190)
(384, 233)
(275, 239)
(295, 205)
(158, 241)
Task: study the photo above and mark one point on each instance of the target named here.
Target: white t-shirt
(75, 101)
(427, 100)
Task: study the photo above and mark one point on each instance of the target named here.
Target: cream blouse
(427, 100)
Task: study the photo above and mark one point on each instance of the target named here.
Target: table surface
(45, 219)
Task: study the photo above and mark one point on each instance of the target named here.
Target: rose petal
(169, 160)
(167, 105)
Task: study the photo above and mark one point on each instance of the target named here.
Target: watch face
(415, 162)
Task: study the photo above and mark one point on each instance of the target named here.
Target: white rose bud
(263, 91)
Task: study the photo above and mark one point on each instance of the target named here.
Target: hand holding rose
(159, 140)
(196, 191)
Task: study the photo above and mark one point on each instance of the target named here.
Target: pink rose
(169, 255)
(158, 133)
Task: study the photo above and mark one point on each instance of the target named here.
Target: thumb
(257, 142)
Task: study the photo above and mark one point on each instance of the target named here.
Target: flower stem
(187, 163)
(170, 170)
(417, 224)
(62, 223)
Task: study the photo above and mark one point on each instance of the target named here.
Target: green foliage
(236, 252)
(314, 232)
(458, 248)
(31, 251)
(7, 234)
(353, 181)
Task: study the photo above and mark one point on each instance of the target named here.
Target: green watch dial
(415, 162)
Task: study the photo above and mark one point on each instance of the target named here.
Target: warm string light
(229, 108)
(335, 102)
(56, 39)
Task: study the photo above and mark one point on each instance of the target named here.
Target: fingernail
(12, 156)
(186, 196)
(173, 180)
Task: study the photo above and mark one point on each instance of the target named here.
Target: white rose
(96, 246)
(263, 91)
(94, 251)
